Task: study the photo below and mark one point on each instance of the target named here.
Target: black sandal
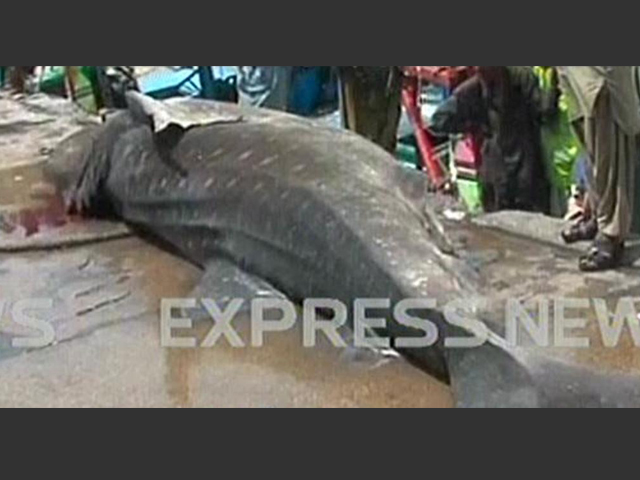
(606, 254)
(584, 230)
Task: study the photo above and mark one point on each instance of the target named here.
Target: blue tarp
(305, 91)
(181, 80)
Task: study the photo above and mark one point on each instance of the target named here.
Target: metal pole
(207, 81)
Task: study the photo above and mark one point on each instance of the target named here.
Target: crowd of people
(533, 123)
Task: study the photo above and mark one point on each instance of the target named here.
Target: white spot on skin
(246, 155)
(209, 183)
(232, 183)
(268, 161)
(420, 283)
(298, 168)
(163, 183)
(217, 153)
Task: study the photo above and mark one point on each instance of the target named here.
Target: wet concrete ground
(31, 126)
(522, 257)
(108, 353)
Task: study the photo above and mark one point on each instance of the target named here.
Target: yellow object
(561, 146)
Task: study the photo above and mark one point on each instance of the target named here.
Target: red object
(448, 77)
(35, 217)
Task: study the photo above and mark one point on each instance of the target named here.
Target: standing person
(371, 102)
(268, 87)
(504, 106)
(605, 108)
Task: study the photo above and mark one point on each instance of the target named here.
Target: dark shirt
(506, 116)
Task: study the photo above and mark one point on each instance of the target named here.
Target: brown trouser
(613, 153)
(372, 105)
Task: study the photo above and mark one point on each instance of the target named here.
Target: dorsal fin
(139, 105)
(162, 115)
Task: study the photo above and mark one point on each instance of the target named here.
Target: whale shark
(267, 203)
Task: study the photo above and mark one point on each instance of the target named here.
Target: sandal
(606, 254)
(582, 231)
